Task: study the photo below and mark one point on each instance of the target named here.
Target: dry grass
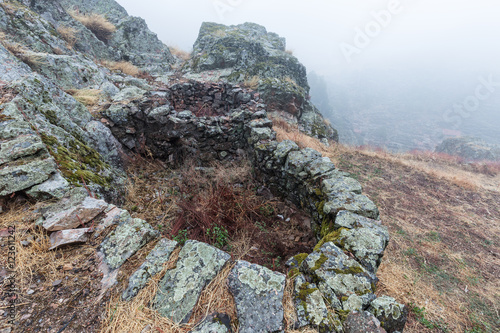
(134, 316)
(98, 24)
(68, 34)
(288, 51)
(125, 67)
(251, 83)
(178, 53)
(88, 97)
(30, 58)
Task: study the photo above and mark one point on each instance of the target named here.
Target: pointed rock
(391, 314)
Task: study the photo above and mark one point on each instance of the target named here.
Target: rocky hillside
(80, 102)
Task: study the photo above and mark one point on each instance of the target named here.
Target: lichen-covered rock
(333, 185)
(362, 322)
(55, 187)
(471, 149)
(283, 149)
(297, 160)
(150, 267)
(215, 323)
(391, 314)
(356, 203)
(337, 273)
(15, 178)
(258, 294)
(128, 237)
(181, 287)
(261, 134)
(310, 307)
(365, 238)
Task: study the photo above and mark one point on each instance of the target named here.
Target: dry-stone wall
(222, 121)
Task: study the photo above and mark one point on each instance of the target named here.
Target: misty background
(396, 74)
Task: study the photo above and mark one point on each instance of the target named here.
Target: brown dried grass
(251, 83)
(125, 67)
(98, 24)
(68, 34)
(88, 97)
(178, 53)
(135, 315)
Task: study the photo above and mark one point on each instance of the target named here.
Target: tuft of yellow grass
(251, 83)
(68, 34)
(98, 24)
(88, 97)
(125, 67)
(178, 53)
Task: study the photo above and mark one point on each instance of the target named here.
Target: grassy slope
(444, 220)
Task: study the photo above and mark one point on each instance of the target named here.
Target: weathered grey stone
(336, 271)
(362, 322)
(128, 93)
(151, 266)
(297, 160)
(363, 237)
(283, 149)
(21, 146)
(357, 303)
(320, 167)
(356, 203)
(391, 314)
(125, 240)
(216, 323)
(82, 212)
(258, 134)
(340, 184)
(310, 307)
(258, 294)
(55, 187)
(181, 287)
(20, 177)
(68, 237)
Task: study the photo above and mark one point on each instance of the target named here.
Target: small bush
(68, 34)
(98, 24)
(123, 66)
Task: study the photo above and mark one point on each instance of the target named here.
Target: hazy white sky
(330, 35)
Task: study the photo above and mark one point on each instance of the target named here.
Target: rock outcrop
(247, 54)
(470, 149)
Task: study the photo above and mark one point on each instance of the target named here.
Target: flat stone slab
(125, 240)
(339, 184)
(151, 266)
(337, 275)
(310, 306)
(24, 145)
(180, 288)
(356, 203)
(76, 215)
(258, 294)
(68, 237)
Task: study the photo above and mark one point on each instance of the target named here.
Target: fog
(396, 73)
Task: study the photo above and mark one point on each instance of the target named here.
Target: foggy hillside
(403, 108)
